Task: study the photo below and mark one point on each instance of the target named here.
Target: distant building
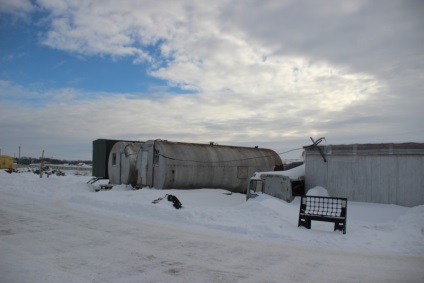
(6, 162)
(378, 173)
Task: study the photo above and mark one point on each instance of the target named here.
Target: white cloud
(203, 54)
(121, 28)
(18, 8)
(261, 70)
(67, 116)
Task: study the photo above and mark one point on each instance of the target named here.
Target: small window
(113, 158)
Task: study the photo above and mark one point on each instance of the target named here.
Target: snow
(317, 191)
(295, 174)
(58, 229)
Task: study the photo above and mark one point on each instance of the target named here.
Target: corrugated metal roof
(369, 149)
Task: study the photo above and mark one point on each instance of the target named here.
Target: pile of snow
(295, 174)
(371, 228)
(318, 192)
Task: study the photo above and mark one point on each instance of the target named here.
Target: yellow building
(6, 162)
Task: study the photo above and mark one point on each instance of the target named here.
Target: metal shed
(165, 165)
(122, 163)
(379, 173)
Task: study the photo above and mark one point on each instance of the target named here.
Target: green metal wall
(101, 150)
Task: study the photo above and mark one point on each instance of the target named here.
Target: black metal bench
(326, 209)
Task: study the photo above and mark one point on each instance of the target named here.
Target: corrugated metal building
(378, 173)
(176, 165)
(122, 163)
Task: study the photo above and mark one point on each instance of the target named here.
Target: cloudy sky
(271, 73)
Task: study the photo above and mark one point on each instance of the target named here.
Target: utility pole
(42, 165)
(19, 154)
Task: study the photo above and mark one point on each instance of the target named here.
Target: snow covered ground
(58, 229)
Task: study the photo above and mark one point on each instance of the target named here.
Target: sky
(267, 73)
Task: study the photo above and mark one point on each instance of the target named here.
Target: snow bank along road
(48, 242)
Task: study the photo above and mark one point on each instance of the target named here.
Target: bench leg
(305, 222)
(340, 226)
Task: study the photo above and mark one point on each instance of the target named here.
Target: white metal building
(378, 173)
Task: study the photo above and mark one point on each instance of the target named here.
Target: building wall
(383, 173)
(176, 165)
(122, 163)
(101, 150)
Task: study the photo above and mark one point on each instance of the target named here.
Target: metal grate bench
(326, 209)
